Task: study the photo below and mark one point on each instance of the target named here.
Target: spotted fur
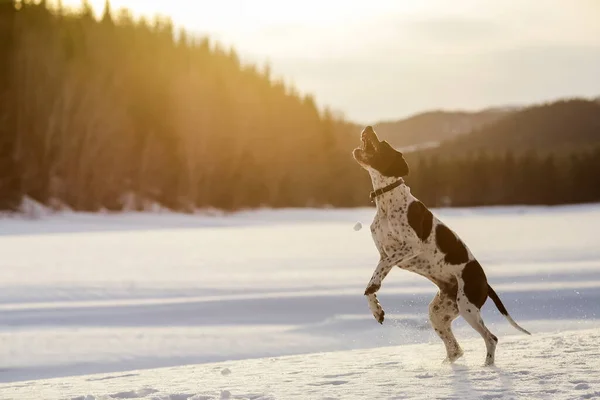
(409, 236)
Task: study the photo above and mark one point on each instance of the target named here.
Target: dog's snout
(367, 131)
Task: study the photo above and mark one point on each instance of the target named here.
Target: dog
(409, 236)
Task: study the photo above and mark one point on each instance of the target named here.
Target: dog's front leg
(383, 268)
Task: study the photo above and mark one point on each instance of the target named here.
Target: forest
(511, 178)
(114, 113)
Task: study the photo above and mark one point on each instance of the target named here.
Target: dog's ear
(390, 162)
(397, 165)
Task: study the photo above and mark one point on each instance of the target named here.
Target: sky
(387, 59)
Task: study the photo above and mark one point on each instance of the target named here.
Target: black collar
(386, 189)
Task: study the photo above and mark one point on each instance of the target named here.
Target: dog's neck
(398, 195)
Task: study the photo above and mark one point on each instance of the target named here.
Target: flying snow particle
(358, 226)
(225, 394)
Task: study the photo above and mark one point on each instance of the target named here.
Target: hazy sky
(385, 59)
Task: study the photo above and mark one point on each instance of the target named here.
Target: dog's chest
(379, 227)
(388, 233)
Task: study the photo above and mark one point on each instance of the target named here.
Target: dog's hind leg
(442, 311)
(471, 314)
(472, 294)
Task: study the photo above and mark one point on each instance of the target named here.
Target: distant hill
(564, 125)
(429, 128)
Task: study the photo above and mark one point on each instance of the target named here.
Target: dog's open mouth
(367, 145)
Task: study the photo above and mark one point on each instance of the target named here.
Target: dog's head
(379, 155)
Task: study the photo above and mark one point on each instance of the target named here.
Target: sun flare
(491, 51)
(244, 16)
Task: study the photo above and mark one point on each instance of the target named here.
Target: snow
(113, 293)
(548, 366)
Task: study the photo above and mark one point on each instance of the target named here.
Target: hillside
(436, 126)
(545, 154)
(562, 126)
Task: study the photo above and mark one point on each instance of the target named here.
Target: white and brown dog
(409, 236)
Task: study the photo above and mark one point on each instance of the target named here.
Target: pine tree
(107, 18)
(10, 190)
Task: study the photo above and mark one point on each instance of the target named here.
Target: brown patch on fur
(454, 249)
(420, 219)
(476, 287)
(449, 289)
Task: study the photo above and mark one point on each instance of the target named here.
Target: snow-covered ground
(549, 366)
(83, 294)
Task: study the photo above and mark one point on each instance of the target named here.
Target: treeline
(116, 114)
(100, 114)
(486, 179)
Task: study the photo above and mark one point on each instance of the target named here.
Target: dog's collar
(391, 186)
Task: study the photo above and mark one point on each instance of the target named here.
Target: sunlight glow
(495, 52)
(243, 15)
(269, 29)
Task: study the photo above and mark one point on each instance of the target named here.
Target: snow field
(545, 366)
(86, 294)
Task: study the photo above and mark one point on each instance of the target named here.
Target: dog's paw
(454, 356)
(373, 288)
(379, 316)
(376, 309)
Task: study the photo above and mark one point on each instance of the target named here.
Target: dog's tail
(502, 309)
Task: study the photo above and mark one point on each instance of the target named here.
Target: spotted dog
(409, 236)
